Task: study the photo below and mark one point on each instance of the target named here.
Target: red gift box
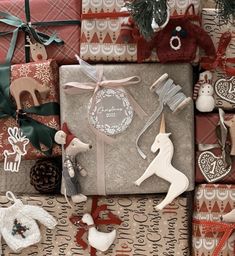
(42, 11)
(209, 231)
(206, 135)
(45, 73)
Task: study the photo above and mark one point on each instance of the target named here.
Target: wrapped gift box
(139, 233)
(206, 135)
(45, 73)
(223, 83)
(21, 184)
(41, 11)
(122, 163)
(100, 37)
(212, 201)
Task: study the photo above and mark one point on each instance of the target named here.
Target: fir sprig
(226, 9)
(143, 12)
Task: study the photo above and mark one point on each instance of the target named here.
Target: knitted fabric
(18, 226)
(194, 36)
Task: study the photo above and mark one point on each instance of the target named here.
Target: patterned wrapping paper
(45, 73)
(123, 164)
(212, 201)
(45, 10)
(206, 134)
(224, 96)
(99, 37)
(140, 232)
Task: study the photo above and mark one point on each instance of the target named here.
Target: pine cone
(45, 175)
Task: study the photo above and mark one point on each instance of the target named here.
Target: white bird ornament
(99, 240)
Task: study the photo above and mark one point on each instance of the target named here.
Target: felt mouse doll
(71, 168)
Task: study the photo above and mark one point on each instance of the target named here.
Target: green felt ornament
(148, 15)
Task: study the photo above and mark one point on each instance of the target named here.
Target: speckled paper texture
(123, 164)
(18, 182)
(140, 232)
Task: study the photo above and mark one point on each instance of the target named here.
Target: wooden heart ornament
(212, 167)
(225, 89)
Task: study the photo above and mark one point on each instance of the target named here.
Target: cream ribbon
(100, 82)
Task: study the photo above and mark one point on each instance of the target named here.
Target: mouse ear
(60, 137)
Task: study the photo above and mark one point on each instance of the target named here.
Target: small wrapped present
(139, 232)
(109, 34)
(212, 236)
(114, 163)
(45, 18)
(223, 66)
(27, 129)
(213, 160)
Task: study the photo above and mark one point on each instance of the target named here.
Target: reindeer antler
(13, 133)
(16, 134)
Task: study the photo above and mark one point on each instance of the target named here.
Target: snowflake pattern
(43, 72)
(24, 70)
(53, 124)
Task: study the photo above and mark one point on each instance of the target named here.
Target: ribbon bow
(214, 226)
(28, 27)
(96, 210)
(38, 133)
(221, 61)
(101, 82)
(222, 134)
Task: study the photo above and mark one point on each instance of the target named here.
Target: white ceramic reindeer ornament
(18, 141)
(37, 50)
(99, 240)
(162, 167)
(72, 147)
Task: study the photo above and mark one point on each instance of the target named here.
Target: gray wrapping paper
(18, 182)
(123, 164)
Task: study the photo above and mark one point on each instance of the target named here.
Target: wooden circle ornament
(110, 111)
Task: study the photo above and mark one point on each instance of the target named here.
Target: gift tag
(12, 158)
(225, 89)
(110, 111)
(212, 167)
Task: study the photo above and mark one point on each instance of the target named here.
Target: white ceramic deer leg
(162, 167)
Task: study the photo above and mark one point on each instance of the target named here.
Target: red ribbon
(95, 211)
(220, 61)
(214, 226)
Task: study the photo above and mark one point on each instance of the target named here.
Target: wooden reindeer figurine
(162, 167)
(37, 50)
(30, 85)
(72, 147)
(231, 124)
(12, 159)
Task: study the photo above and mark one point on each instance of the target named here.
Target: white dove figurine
(99, 240)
